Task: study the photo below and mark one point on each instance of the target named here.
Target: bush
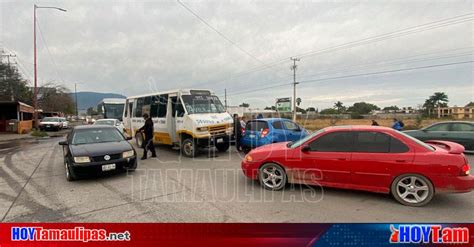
(38, 133)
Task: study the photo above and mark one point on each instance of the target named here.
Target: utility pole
(75, 101)
(225, 98)
(294, 85)
(35, 93)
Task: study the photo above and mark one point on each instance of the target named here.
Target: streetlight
(75, 95)
(35, 97)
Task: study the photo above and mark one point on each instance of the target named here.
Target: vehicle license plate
(108, 167)
(220, 140)
(252, 135)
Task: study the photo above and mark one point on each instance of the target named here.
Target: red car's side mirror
(305, 149)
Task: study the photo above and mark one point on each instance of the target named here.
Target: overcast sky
(134, 47)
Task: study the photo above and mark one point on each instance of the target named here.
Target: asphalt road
(209, 188)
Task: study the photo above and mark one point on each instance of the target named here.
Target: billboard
(283, 104)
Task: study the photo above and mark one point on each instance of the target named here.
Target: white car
(65, 122)
(51, 123)
(111, 122)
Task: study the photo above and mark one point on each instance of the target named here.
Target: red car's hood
(271, 148)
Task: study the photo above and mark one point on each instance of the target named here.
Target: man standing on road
(147, 129)
(237, 132)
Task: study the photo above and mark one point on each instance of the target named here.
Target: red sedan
(370, 158)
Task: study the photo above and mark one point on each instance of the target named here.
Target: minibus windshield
(202, 104)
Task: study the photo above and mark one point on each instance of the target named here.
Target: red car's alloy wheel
(272, 176)
(412, 190)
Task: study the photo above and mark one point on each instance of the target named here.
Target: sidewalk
(11, 136)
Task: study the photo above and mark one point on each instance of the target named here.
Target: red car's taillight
(264, 133)
(243, 131)
(465, 170)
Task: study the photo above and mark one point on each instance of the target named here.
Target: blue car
(264, 131)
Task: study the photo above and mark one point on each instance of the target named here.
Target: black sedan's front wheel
(70, 175)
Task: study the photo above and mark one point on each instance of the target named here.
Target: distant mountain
(91, 99)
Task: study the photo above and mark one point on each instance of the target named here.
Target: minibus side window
(163, 105)
(138, 108)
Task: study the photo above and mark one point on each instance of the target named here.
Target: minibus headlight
(82, 159)
(202, 128)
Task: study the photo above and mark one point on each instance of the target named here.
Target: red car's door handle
(341, 159)
(401, 161)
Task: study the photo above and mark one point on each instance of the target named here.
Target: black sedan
(461, 132)
(95, 149)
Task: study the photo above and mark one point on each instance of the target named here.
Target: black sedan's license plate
(108, 167)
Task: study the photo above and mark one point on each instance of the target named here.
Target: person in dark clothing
(374, 123)
(237, 132)
(148, 131)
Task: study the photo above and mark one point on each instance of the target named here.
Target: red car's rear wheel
(412, 190)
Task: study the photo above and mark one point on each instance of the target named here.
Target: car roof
(359, 128)
(270, 119)
(466, 122)
(81, 127)
(107, 119)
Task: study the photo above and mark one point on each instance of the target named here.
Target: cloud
(133, 47)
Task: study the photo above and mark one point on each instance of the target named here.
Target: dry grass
(314, 124)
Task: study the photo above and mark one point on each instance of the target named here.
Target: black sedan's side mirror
(63, 143)
(305, 149)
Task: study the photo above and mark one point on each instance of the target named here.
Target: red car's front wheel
(272, 176)
(412, 190)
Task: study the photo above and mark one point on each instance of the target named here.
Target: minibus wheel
(223, 147)
(188, 147)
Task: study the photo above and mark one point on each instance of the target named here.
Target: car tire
(223, 147)
(412, 190)
(133, 168)
(246, 150)
(188, 147)
(272, 176)
(70, 175)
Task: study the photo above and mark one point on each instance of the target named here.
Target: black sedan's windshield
(88, 136)
(202, 104)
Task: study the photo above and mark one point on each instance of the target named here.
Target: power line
(394, 34)
(354, 75)
(389, 62)
(49, 52)
(221, 34)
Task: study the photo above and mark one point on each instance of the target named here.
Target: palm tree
(439, 99)
(339, 107)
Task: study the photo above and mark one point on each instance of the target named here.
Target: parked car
(376, 159)
(461, 132)
(92, 149)
(264, 131)
(65, 122)
(111, 122)
(50, 123)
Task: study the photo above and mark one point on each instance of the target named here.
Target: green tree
(391, 108)
(328, 111)
(56, 98)
(13, 86)
(339, 106)
(438, 99)
(470, 104)
(244, 105)
(360, 108)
